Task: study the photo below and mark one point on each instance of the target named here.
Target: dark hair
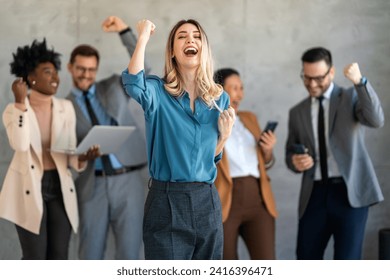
(27, 58)
(317, 54)
(84, 50)
(222, 74)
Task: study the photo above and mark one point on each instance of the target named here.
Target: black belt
(119, 171)
(330, 181)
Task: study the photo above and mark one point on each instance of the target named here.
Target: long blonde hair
(207, 89)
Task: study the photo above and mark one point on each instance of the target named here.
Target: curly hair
(27, 58)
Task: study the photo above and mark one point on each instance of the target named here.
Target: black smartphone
(299, 149)
(270, 126)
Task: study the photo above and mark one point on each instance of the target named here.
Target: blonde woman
(186, 131)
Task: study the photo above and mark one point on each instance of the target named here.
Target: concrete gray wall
(263, 39)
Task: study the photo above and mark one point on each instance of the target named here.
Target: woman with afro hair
(38, 194)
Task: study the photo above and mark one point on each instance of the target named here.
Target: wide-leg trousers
(182, 221)
(249, 218)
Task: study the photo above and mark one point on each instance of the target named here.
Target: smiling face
(234, 87)
(44, 78)
(317, 77)
(83, 71)
(187, 46)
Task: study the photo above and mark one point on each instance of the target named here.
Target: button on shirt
(102, 116)
(181, 144)
(333, 170)
(241, 152)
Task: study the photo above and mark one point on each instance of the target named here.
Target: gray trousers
(183, 221)
(117, 202)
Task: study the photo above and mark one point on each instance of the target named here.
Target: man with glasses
(326, 143)
(111, 190)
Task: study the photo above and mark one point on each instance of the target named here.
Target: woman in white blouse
(248, 205)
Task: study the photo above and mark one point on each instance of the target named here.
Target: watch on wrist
(363, 81)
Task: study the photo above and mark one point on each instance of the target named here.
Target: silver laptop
(109, 138)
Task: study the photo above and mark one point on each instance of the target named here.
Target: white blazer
(21, 197)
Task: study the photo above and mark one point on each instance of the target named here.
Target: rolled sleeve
(146, 90)
(129, 81)
(136, 87)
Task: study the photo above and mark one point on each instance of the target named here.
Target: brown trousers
(249, 219)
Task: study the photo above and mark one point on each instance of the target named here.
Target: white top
(241, 152)
(333, 170)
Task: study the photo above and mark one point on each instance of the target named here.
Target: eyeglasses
(318, 79)
(84, 69)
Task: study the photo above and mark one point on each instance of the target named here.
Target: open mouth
(190, 51)
(235, 103)
(54, 84)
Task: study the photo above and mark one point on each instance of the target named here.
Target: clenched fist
(19, 88)
(352, 72)
(145, 28)
(113, 24)
(225, 122)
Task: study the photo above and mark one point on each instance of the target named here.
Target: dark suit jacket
(349, 111)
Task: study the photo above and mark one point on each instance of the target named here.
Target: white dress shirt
(241, 152)
(333, 170)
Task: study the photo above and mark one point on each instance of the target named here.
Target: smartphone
(270, 126)
(299, 149)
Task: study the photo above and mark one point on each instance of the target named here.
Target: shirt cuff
(363, 82)
(128, 29)
(138, 78)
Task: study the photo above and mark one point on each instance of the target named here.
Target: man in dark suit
(339, 182)
(111, 190)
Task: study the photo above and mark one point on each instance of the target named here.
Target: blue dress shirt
(181, 144)
(101, 115)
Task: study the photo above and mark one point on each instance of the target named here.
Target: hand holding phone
(270, 126)
(299, 149)
(301, 159)
(267, 138)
